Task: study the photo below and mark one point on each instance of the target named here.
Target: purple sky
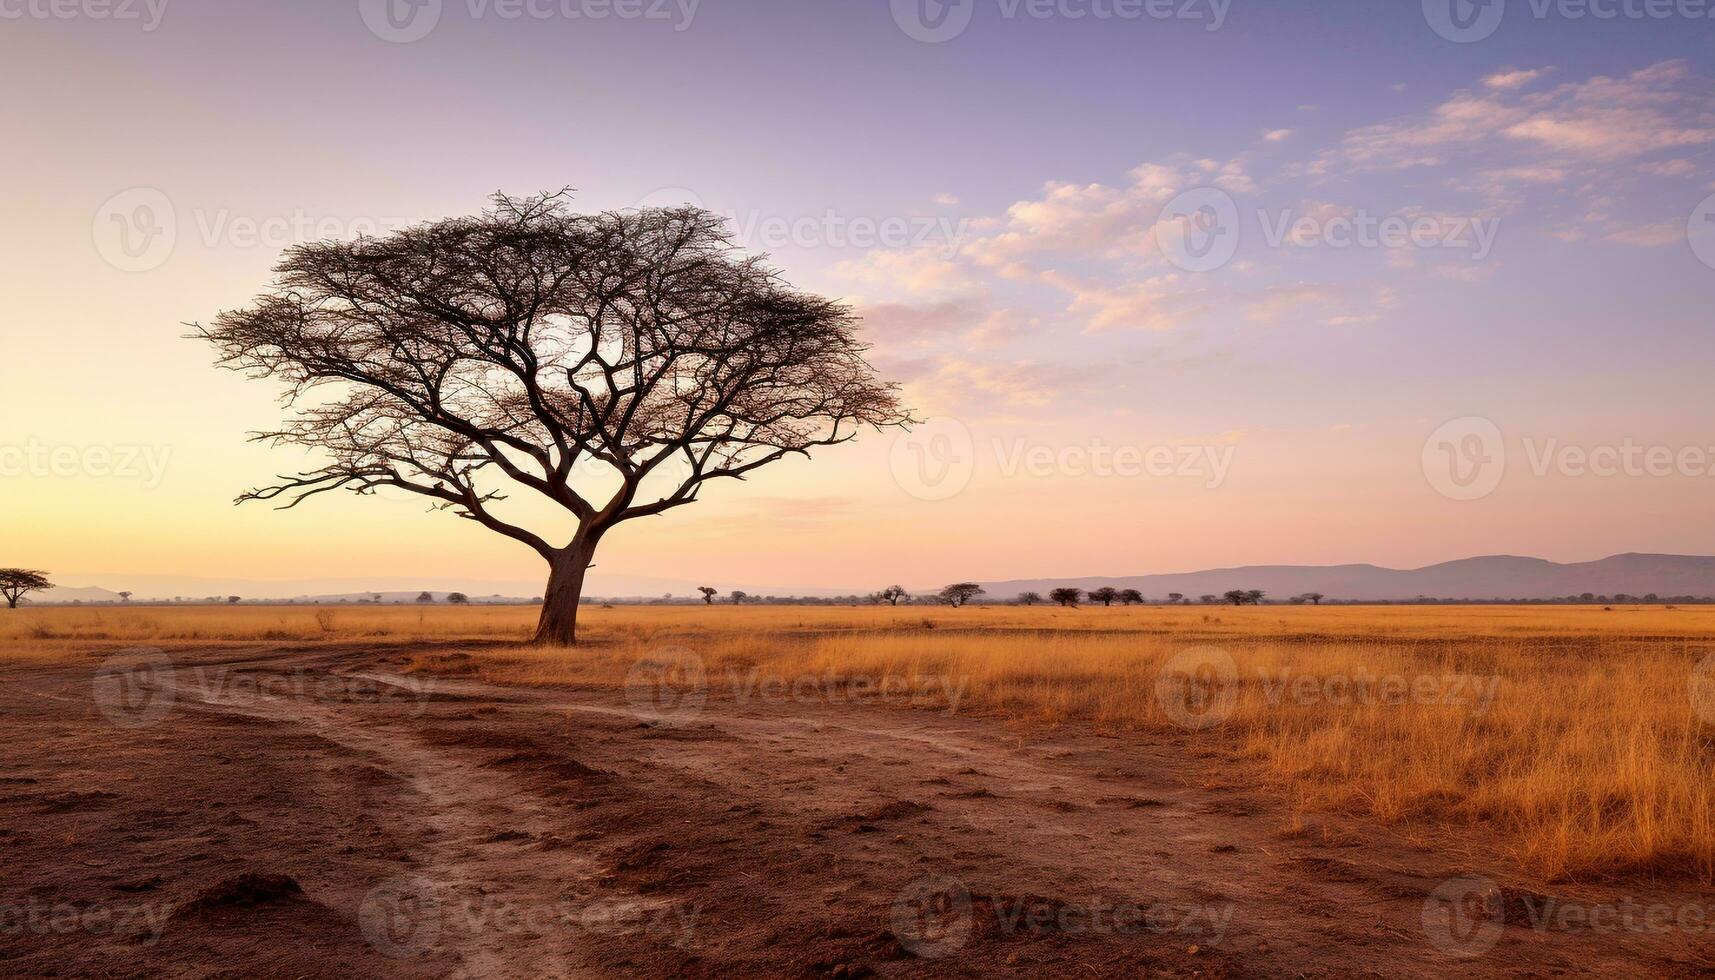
(1315, 383)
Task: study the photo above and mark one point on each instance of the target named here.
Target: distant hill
(1489, 577)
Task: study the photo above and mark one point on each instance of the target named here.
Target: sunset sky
(1003, 206)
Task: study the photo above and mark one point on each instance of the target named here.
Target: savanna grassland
(1580, 740)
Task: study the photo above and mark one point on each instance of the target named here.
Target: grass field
(1583, 739)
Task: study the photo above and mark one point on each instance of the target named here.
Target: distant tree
(1209, 600)
(1175, 597)
(1130, 597)
(959, 593)
(425, 598)
(1029, 598)
(1067, 597)
(1315, 598)
(233, 600)
(1237, 597)
(1297, 600)
(125, 596)
(458, 598)
(1588, 597)
(1651, 598)
(738, 597)
(894, 593)
(1255, 596)
(16, 583)
(708, 594)
(375, 597)
(1104, 595)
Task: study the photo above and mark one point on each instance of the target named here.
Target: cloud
(915, 272)
(1277, 135)
(1651, 236)
(946, 200)
(1515, 79)
(1669, 168)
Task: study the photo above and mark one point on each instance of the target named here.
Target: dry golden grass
(1572, 732)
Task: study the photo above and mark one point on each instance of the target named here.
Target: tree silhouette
(458, 599)
(739, 597)
(894, 593)
(1130, 597)
(16, 583)
(1237, 597)
(425, 598)
(1029, 598)
(1104, 595)
(126, 596)
(1066, 597)
(517, 349)
(1315, 598)
(959, 593)
(708, 594)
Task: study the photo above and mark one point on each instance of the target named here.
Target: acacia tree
(16, 583)
(1067, 597)
(959, 593)
(609, 364)
(1130, 597)
(1029, 598)
(1104, 595)
(893, 594)
(709, 594)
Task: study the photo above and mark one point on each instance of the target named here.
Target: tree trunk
(559, 622)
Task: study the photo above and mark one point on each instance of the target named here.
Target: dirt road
(318, 812)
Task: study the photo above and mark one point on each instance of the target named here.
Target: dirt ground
(321, 812)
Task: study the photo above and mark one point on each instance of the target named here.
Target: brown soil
(316, 813)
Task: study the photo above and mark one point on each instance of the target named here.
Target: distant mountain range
(1489, 577)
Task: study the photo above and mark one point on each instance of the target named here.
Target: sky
(1173, 285)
